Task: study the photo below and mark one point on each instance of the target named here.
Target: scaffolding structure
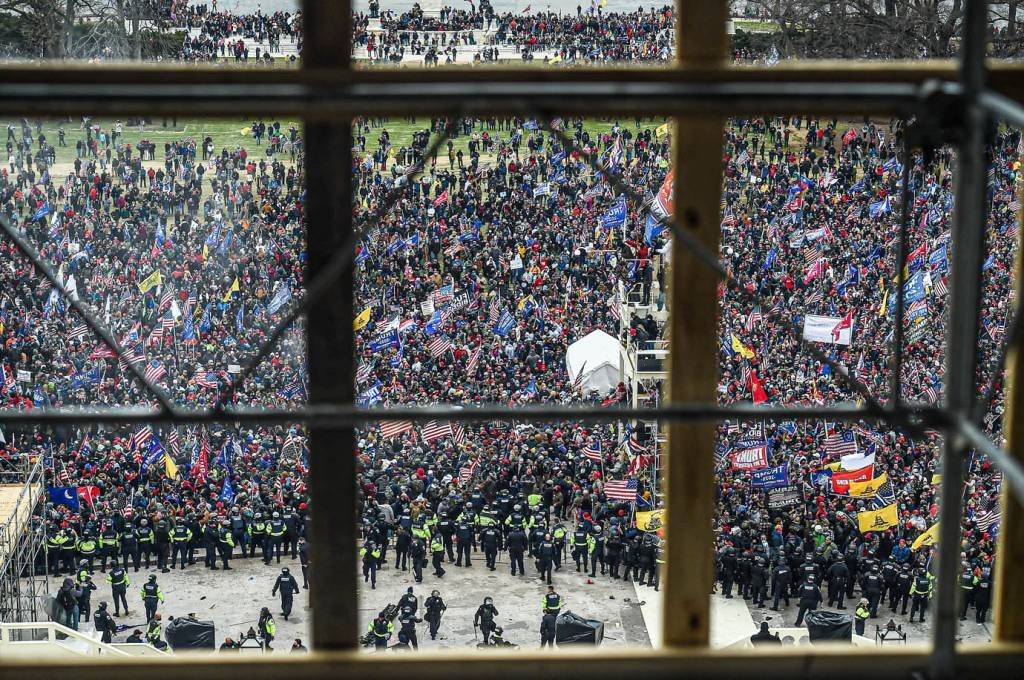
(23, 582)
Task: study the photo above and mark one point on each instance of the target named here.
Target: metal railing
(52, 633)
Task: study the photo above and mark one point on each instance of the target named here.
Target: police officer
(920, 592)
(291, 530)
(407, 633)
(258, 537)
(181, 535)
(55, 541)
(210, 539)
(782, 577)
(304, 561)
(437, 552)
(153, 632)
(130, 546)
(109, 545)
(613, 553)
(546, 558)
(464, 541)
(381, 629)
(552, 602)
(810, 596)
(266, 627)
(595, 550)
(419, 558)
(147, 541)
(86, 548)
(871, 586)
(435, 607)
(286, 584)
(276, 529)
(900, 592)
(517, 545)
(484, 618)
(728, 562)
(151, 596)
(490, 541)
(118, 580)
(983, 595)
(446, 528)
(409, 600)
(225, 544)
(967, 583)
(548, 625)
(837, 575)
(558, 537)
(86, 585)
(162, 541)
(403, 541)
(104, 624)
(370, 553)
(889, 572)
(759, 581)
(861, 615)
(237, 526)
(579, 547)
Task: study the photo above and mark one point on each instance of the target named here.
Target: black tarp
(184, 633)
(829, 626)
(576, 630)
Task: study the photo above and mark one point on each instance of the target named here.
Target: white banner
(427, 307)
(24, 376)
(856, 461)
(819, 329)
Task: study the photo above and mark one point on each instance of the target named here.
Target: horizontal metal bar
(328, 415)
(1002, 108)
(570, 96)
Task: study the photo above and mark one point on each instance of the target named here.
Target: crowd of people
(588, 36)
(504, 247)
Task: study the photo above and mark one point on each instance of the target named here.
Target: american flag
(440, 345)
(443, 295)
(814, 298)
(102, 352)
(930, 394)
(140, 438)
(175, 442)
(841, 444)
(495, 311)
(593, 451)
(291, 444)
(577, 382)
(466, 472)
(390, 429)
(364, 371)
(474, 359)
(621, 490)
(434, 430)
(613, 307)
(155, 371)
(165, 299)
(994, 330)
(458, 433)
(204, 379)
(811, 256)
(985, 519)
(78, 332)
(754, 318)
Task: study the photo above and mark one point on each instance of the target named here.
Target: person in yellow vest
(371, 555)
(861, 615)
(153, 633)
(86, 548)
(267, 628)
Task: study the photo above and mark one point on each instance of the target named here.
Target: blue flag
(204, 322)
(65, 495)
(770, 478)
(652, 229)
(914, 288)
(280, 299)
(615, 216)
(505, 323)
(880, 208)
(385, 340)
(770, 260)
(434, 325)
(41, 213)
(227, 494)
(155, 455)
(239, 319)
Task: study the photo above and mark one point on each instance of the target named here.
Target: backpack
(65, 599)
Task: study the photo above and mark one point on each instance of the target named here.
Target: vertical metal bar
(1008, 615)
(330, 344)
(689, 481)
(968, 248)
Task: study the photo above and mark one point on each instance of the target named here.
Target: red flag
(441, 199)
(845, 322)
(89, 493)
(757, 389)
(202, 466)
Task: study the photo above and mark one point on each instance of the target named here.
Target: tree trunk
(69, 27)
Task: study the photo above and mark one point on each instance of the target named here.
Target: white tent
(598, 356)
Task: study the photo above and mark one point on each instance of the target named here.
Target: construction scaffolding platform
(21, 544)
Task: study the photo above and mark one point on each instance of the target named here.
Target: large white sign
(820, 329)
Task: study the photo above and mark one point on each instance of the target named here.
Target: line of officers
(171, 542)
(522, 533)
(880, 581)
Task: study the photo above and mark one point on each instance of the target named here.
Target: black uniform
(900, 592)
(810, 596)
(871, 586)
(464, 535)
(435, 607)
(490, 541)
(516, 548)
(484, 618)
(782, 577)
(547, 630)
(545, 559)
(287, 585)
(837, 577)
(407, 633)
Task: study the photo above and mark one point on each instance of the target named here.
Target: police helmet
(83, 563)
(284, 570)
(276, 515)
(435, 593)
(488, 600)
(152, 578)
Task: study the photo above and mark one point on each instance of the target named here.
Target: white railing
(45, 633)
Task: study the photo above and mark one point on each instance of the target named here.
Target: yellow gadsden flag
(232, 289)
(662, 130)
(868, 488)
(362, 319)
(878, 520)
(151, 281)
(930, 537)
(650, 521)
(741, 349)
(170, 467)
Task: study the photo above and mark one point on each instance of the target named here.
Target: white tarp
(598, 356)
(819, 329)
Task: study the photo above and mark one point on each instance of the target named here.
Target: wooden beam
(1008, 614)
(693, 322)
(330, 344)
